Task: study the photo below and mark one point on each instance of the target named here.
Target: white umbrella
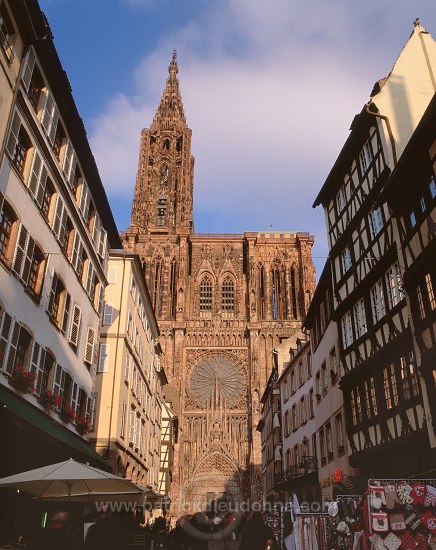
(70, 480)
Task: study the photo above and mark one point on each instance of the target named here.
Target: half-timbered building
(411, 196)
(379, 377)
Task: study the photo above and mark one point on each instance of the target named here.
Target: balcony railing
(307, 465)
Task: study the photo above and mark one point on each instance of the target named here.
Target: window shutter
(89, 278)
(13, 135)
(75, 252)
(20, 250)
(28, 260)
(69, 164)
(41, 187)
(102, 244)
(35, 173)
(5, 329)
(66, 313)
(58, 216)
(89, 347)
(75, 325)
(84, 200)
(131, 425)
(26, 77)
(108, 312)
(74, 404)
(103, 361)
(1, 201)
(59, 382)
(50, 117)
(12, 351)
(37, 361)
(54, 284)
(88, 408)
(100, 299)
(112, 275)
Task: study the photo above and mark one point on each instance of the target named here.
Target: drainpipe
(388, 126)
(115, 358)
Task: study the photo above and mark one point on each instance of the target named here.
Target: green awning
(47, 424)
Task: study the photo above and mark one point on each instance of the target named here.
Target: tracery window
(228, 296)
(158, 287)
(205, 296)
(261, 292)
(294, 294)
(173, 288)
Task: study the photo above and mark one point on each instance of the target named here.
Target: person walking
(257, 535)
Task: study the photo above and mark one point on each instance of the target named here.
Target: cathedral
(223, 302)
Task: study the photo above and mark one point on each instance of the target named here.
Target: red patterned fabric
(418, 493)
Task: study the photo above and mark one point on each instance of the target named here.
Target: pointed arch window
(206, 296)
(277, 294)
(228, 297)
(261, 293)
(158, 287)
(294, 293)
(173, 288)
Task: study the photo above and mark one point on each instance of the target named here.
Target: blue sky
(269, 89)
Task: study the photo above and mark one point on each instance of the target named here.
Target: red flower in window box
(23, 380)
(67, 414)
(83, 425)
(50, 400)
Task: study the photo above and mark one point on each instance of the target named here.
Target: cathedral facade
(223, 303)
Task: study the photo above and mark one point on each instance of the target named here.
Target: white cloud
(269, 92)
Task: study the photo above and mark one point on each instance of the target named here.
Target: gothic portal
(223, 302)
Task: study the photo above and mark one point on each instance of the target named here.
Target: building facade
(300, 468)
(329, 440)
(411, 196)
(130, 376)
(223, 302)
(55, 231)
(383, 398)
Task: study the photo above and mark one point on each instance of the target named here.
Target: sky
(270, 89)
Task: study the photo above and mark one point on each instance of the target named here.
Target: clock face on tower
(217, 379)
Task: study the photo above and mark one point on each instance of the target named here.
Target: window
(324, 384)
(228, 296)
(340, 440)
(123, 420)
(310, 397)
(206, 295)
(18, 144)
(23, 349)
(7, 221)
(378, 301)
(108, 313)
(347, 330)
(7, 34)
(36, 272)
(365, 157)
(36, 84)
(162, 210)
(359, 318)
(390, 386)
(58, 302)
(341, 200)
(346, 260)
(322, 447)
(432, 187)
(430, 291)
(112, 275)
(103, 359)
(409, 377)
(420, 302)
(393, 284)
(333, 365)
(48, 195)
(370, 398)
(329, 440)
(375, 221)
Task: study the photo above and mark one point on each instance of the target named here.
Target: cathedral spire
(170, 113)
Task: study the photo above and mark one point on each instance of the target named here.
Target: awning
(47, 424)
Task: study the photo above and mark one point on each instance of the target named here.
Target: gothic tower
(223, 303)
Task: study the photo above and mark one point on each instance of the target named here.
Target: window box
(49, 400)
(23, 380)
(83, 425)
(67, 414)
